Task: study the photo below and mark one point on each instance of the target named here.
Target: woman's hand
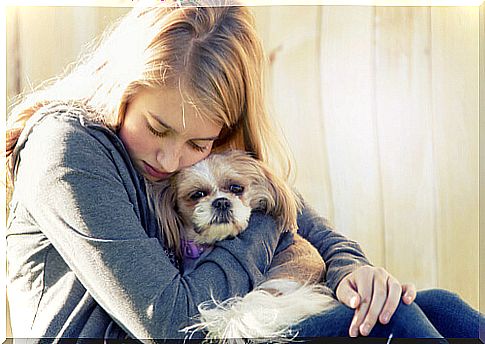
(375, 295)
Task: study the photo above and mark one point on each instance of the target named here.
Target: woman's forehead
(169, 108)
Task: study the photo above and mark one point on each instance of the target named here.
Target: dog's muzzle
(222, 208)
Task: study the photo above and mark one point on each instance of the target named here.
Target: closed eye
(197, 147)
(156, 132)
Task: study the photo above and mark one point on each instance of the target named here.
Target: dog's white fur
(291, 291)
(260, 314)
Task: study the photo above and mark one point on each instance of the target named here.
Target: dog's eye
(236, 189)
(198, 195)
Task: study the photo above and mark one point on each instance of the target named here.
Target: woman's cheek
(135, 141)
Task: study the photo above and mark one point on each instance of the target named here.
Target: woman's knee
(334, 322)
(450, 314)
(409, 321)
(436, 299)
(438, 295)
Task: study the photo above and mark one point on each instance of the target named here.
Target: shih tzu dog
(213, 200)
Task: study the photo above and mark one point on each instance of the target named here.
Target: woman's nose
(169, 158)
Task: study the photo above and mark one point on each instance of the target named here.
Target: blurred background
(379, 105)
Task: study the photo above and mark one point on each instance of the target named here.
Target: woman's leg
(407, 322)
(451, 316)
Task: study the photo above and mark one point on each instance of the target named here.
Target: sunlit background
(380, 106)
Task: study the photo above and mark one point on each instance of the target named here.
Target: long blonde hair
(212, 54)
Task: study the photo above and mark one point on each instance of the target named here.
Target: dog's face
(215, 197)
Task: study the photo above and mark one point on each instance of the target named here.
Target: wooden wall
(380, 107)
(378, 104)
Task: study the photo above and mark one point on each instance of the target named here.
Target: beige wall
(378, 104)
(380, 107)
(43, 41)
(482, 157)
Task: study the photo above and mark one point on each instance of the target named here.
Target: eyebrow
(212, 138)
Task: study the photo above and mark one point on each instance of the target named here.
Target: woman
(164, 89)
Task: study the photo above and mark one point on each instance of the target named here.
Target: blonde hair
(212, 54)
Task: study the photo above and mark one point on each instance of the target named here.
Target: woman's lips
(154, 172)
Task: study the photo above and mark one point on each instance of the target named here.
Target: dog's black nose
(221, 204)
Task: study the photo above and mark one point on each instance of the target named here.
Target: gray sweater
(85, 257)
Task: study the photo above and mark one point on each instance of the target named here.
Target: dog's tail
(269, 311)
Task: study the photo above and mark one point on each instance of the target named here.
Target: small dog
(213, 200)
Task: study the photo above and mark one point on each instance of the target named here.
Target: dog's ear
(269, 192)
(282, 202)
(169, 221)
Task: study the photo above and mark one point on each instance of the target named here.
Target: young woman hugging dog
(165, 88)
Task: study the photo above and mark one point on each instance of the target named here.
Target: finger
(379, 297)
(408, 293)
(364, 283)
(394, 292)
(347, 293)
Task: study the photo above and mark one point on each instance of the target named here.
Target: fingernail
(365, 330)
(353, 302)
(386, 317)
(354, 332)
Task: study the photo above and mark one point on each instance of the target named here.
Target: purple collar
(191, 249)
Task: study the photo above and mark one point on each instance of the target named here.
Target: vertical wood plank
(455, 106)
(45, 43)
(13, 57)
(51, 38)
(348, 105)
(481, 295)
(107, 16)
(294, 97)
(82, 35)
(404, 117)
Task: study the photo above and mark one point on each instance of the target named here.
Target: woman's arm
(341, 255)
(371, 291)
(75, 188)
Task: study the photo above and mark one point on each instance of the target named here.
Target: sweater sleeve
(340, 254)
(71, 186)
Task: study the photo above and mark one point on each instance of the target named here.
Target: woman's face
(158, 139)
